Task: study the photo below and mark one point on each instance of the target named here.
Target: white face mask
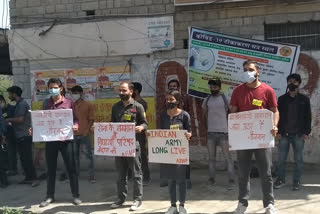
(75, 97)
(248, 76)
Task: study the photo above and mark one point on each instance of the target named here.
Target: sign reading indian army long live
(213, 54)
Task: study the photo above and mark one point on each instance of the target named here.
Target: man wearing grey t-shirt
(21, 123)
(216, 109)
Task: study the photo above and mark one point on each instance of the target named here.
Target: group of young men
(292, 125)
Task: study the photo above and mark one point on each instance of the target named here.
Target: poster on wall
(250, 130)
(160, 33)
(97, 83)
(86, 78)
(109, 79)
(39, 80)
(213, 54)
(191, 2)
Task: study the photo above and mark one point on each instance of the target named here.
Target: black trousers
(144, 156)
(67, 150)
(24, 146)
(12, 148)
(3, 168)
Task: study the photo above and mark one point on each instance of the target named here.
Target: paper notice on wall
(52, 125)
(250, 130)
(168, 146)
(115, 139)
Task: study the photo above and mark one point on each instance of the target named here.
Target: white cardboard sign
(52, 125)
(115, 139)
(168, 146)
(250, 130)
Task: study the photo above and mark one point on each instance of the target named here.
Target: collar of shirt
(64, 103)
(131, 102)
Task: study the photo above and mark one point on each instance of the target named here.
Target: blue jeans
(87, 142)
(182, 185)
(284, 146)
(215, 139)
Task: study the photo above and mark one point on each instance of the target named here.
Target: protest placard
(115, 139)
(52, 125)
(168, 146)
(250, 130)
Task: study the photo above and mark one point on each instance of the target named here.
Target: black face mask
(124, 97)
(215, 92)
(292, 87)
(171, 105)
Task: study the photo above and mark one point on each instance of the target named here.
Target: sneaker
(211, 181)
(26, 181)
(12, 173)
(46, 202)
(240, 209)
(296, 186)
(136, 205)
(189, 184)
(231, 185)
(117, 204)
(92, 179)
(35, 183)
(172, 210)
(63, 177)
(278, 184)
(271, 209)
(163, 183)
(182, 210)
(76, 201)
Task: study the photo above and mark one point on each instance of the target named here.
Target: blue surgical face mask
(54, 92)
(248, 76)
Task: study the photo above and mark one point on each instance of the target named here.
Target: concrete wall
(244, 19)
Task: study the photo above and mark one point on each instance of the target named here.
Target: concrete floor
(200, 199)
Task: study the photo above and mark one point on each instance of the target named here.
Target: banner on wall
(115, 139)
(52, 125)
(250, 130)
(97, 83)
(213, 54)
(191, 2)
(168, 146)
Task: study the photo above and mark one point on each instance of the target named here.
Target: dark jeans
(122, 165)
(144, 158)
(67, 150)
(12, 149)
(24, 146)
(84, 140)
(182, 185)
(3, 168)
(264, 161)
(297, 145)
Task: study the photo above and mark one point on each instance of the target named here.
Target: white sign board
(168, 146)
(52, 125)
(250, 130)
(115, 139)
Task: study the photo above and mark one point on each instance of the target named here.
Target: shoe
(3, 185)
(163, 183)
(189, 184)
(117, 204)
(46, 202)
(63, 177)
(278, 184)
(76, 201)
(92, 179)
(211, 181)
(240, 209)
(231, 185)
(12, 173)
(35, 183)
(182, 210)
(26, 181)
(136, 205)
(172, 210)
(43, 176)
(271, 209)
(296, 186)
(146, 182)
